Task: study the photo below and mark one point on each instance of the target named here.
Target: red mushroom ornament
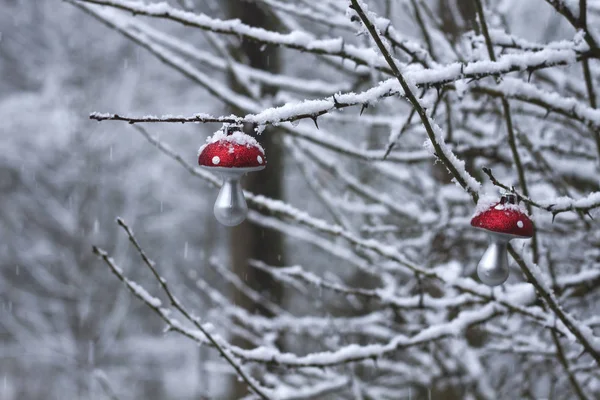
(503, 221)
(231, 153)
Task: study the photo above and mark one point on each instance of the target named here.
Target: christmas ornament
(503, 221)
(231, 154)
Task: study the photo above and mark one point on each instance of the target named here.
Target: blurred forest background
(68, 328)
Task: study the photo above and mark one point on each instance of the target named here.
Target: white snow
(142, 293)
(566, 203)
(237, 137)
(486, 201)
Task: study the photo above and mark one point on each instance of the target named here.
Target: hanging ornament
(503, 221)
(231, 154)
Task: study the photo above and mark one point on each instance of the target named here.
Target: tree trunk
(248, 241)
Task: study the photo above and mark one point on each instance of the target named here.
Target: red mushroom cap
(508, 219)
(236, 150)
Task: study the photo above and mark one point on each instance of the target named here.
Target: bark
(248, 241)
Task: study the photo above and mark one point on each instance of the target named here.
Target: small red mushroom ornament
(503, 221)
(231, 154)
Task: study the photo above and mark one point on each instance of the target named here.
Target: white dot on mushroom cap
(216, 160)
(520, 224)
(499, 207)
(259, 159)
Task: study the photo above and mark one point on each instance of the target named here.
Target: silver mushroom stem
(230, 207)
(493, 266)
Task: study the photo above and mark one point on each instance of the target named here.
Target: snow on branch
(298, 40)
(420, 77)
(354, 353)
(552, 102)
(155, 304)
(216, 88)
(330, 19)
(383, 296)
(557, 205)
(371, 325)
(504, 39)
(210, 60)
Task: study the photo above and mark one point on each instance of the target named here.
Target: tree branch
(295, 40)
(452, 163)
(534, 275)
(563, 204)
(155, 304)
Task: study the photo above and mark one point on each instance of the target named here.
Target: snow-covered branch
(557, 205)
(156, 304)
(298, 40)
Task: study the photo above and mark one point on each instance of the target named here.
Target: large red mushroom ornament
(502, 221)
(231, 154)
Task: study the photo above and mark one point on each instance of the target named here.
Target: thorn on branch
(363, 108)
(314, 118)
(336, 103)
(387, 29)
